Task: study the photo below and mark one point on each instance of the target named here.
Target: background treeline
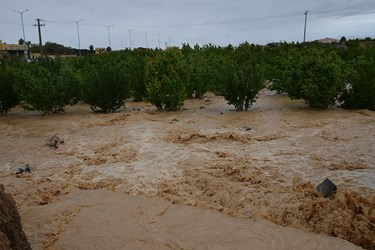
(322, 75)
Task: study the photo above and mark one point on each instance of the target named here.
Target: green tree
(244, 82)
(56, 49)
(312, 74)
(360, 90)
(48, 86)
(105, 86)
(8, 96)
(135, 63)
(197, 74)
(165, 80)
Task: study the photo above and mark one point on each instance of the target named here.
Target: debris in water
(55, 141)
(175, 120)
(246, 128)
(23, 169)
(326, 187)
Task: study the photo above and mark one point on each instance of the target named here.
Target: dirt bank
(11, 234)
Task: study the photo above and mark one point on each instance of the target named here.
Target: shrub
(8, 96)
(48, 86)
(165, 78)
(105, 87)
(135, 68)
(360, 91)
(196, 75)
(244, 82)
(312, 75)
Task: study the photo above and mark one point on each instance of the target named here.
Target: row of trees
(321, 75)
(52, 48)
(325, 75)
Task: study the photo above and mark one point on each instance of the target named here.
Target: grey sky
(193, 21)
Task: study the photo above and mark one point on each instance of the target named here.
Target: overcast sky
(193, 21)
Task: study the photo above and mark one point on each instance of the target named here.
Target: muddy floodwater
(205, 177)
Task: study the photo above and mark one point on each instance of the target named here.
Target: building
(8, 50)
(100, 51)
(328, 40)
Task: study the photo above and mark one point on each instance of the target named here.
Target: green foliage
(244, 86)
(245, 77)
(241, 76)
(312, 74)
(105, 86)
(196, 66)
(56, 49)
(8, 96)
(360, 91)
(310, 71)
(48, 85)
(135, 67)
(165, 80)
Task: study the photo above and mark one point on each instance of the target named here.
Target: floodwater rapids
(204, 177)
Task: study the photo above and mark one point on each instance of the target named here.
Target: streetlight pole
(146, 39)
(109, 35)
(79, 41)
(304, 33)
(130, 39)
(23, 29)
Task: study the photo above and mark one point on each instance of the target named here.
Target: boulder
(11, 234)
(326, 187)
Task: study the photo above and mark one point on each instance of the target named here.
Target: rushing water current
(114, 178)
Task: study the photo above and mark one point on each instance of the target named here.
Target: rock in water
(326, 187)
(11, 234)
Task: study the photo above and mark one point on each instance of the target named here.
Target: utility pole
(304, 33)
(159, 41)
(169, 41)
(109, 35)
(40, 35)
(79, 42)
(130, 39)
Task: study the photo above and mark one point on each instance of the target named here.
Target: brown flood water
(112, 183)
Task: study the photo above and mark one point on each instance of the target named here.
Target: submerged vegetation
(322, 75)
